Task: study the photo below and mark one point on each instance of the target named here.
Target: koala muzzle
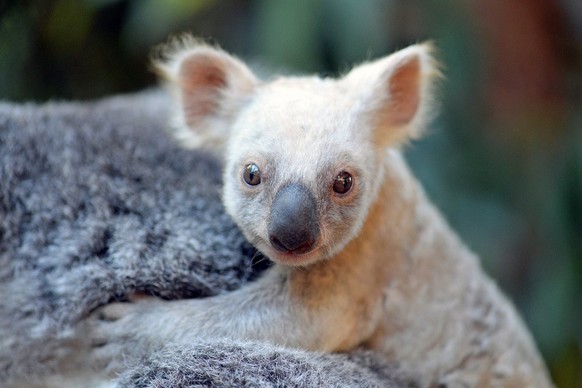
(293, 225)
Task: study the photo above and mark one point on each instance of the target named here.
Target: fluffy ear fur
(394, 93)
(210, 86)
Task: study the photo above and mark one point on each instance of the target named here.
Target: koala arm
(266, 310)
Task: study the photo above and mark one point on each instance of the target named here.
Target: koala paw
(122, 332)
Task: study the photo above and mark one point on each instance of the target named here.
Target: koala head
(304, 156)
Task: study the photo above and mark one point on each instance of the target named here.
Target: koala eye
(343, 182)
(252, 174)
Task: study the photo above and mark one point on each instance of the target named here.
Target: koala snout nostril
(293, 225)
(299, 246)
(275, 243)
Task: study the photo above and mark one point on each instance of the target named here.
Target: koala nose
(293, 225)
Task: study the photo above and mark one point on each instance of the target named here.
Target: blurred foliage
(503, 161)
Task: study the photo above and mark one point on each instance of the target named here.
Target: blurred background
(503, 160)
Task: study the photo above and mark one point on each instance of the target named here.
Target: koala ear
(394, 94)
(210, 85)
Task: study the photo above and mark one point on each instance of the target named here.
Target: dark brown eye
(342, 183)
(252, 174)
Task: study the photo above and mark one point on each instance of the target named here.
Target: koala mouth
(293, 258)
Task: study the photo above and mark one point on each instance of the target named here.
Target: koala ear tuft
(394, 93)
(210, 85)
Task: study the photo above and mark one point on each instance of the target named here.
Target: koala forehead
(304, 123)
(311, 107)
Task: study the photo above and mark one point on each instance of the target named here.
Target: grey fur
(238, 364)
(97, 202)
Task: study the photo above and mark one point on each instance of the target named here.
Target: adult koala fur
(97, 203)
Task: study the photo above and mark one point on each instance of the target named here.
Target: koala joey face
(299, 176)
(305, 156)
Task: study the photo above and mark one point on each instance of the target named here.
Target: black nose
(293, 223)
